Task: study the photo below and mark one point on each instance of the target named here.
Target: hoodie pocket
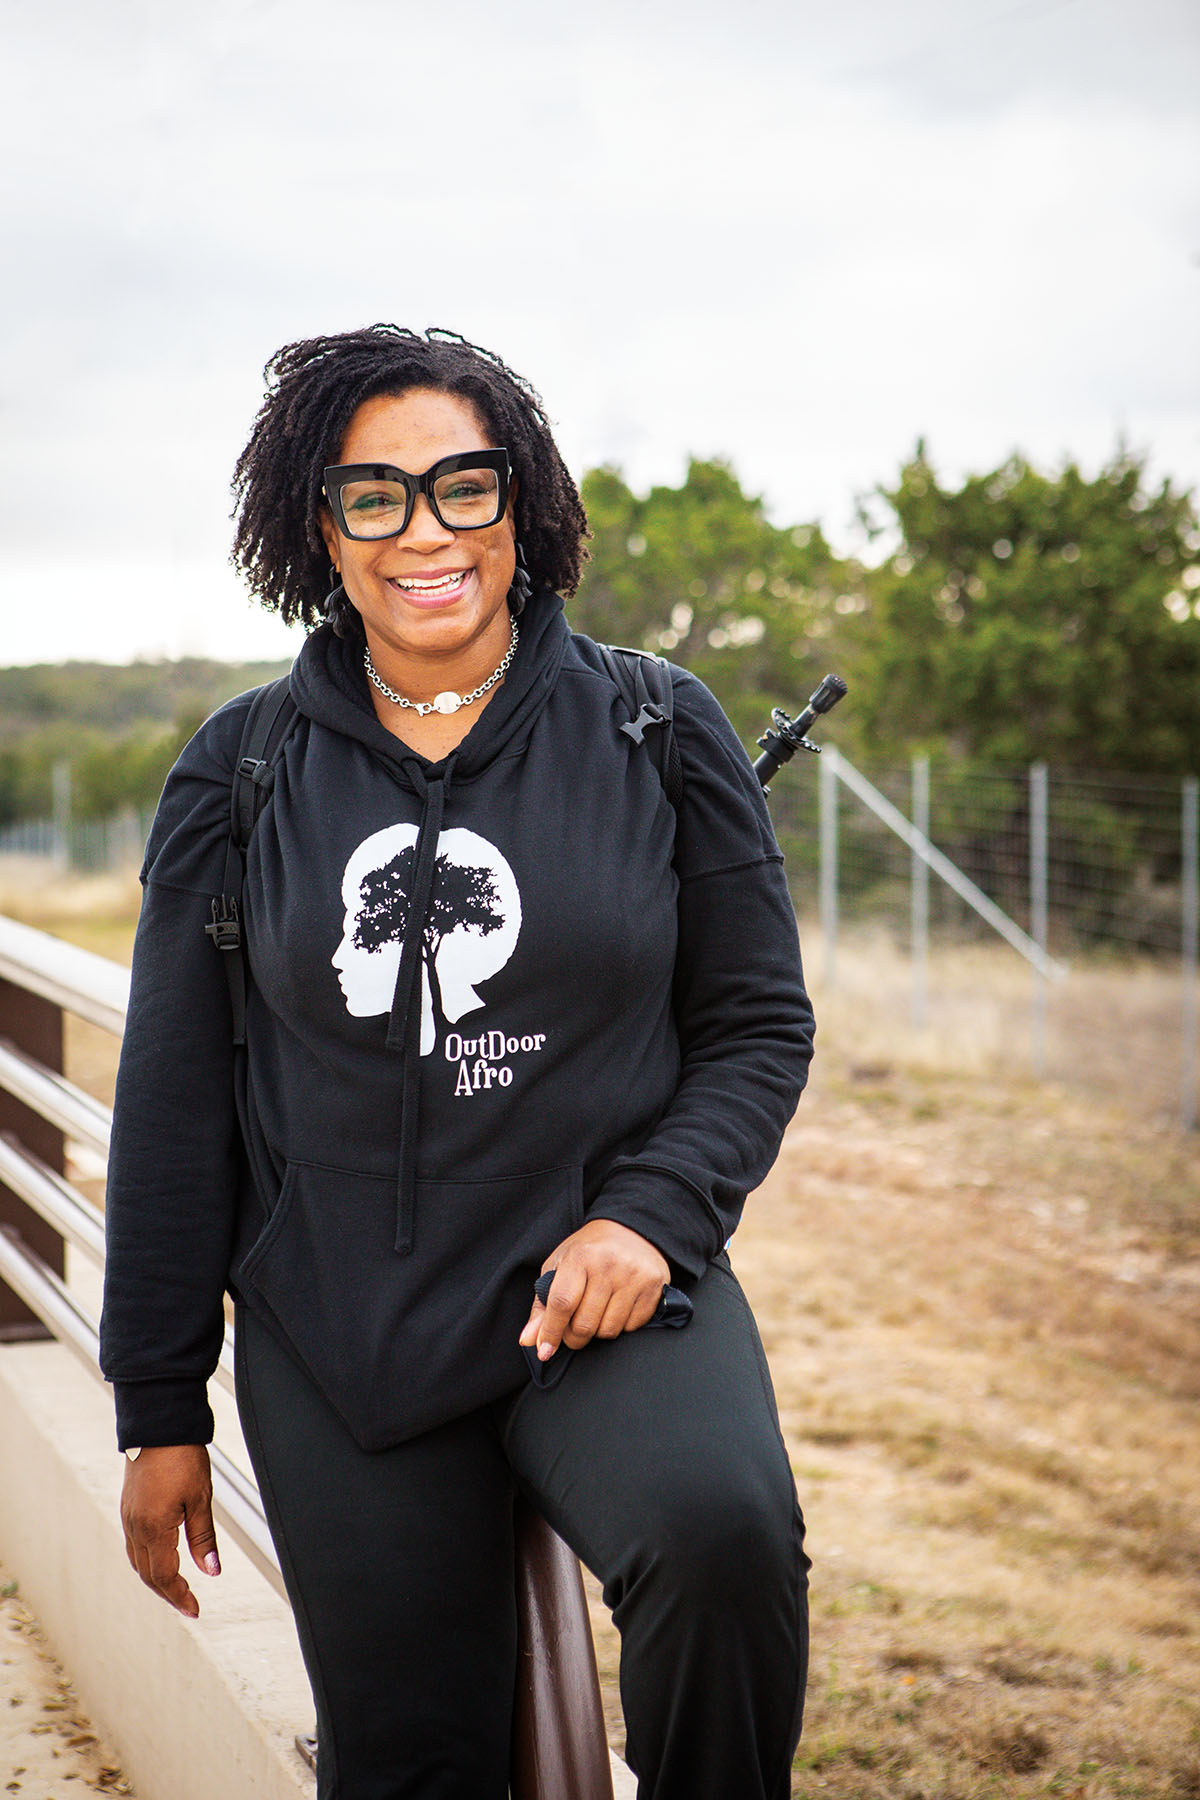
(398, 1344)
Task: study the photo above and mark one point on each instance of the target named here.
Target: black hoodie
(489, 996)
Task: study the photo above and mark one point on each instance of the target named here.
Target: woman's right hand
(165, 1488)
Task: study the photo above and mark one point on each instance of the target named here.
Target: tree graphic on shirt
(461, 895)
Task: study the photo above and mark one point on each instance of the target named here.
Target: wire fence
(89, 846)
(1114, 852)
(1094, 874)
(1088, 872)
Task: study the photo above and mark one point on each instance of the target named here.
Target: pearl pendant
(447, 702)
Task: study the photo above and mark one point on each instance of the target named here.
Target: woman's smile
(437, 588)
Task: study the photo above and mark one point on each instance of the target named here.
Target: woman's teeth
(414, 585)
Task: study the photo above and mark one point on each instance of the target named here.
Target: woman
(510, 1011)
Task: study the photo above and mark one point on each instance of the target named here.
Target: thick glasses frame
(341, 473)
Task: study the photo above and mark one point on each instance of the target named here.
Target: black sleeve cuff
(667, 1212)
(153, 1413)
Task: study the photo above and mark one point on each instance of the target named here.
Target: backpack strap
(272, 714)
(643, 681)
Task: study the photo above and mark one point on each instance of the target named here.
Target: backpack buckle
(226, 929)
(651, 714)
(260, 773)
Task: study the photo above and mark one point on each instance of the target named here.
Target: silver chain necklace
(448, 702)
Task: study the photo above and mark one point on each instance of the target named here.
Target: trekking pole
(786, 736)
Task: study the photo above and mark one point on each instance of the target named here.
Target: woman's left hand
(608, 1280)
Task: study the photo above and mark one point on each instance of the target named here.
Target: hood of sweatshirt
(329, 685)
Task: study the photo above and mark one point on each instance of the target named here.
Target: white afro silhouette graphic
(470, 929)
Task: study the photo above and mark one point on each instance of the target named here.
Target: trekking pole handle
(781, 743)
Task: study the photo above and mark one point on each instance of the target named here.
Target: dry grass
(97, 911)
(981, 1301)
(1113, 1027)
(992, 1419)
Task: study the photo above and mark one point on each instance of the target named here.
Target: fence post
(920, 894)
(828, 801)
(60, 779)
(1039, 819)
(1190, 846)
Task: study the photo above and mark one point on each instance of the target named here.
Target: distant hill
(114, 700)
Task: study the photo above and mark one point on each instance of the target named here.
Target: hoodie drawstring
(404, 1025)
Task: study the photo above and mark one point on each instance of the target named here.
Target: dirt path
(48, 1748)
(982, 1308)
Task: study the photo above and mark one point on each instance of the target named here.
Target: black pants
(657, 1458)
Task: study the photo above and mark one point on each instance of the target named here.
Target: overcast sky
(792, 233)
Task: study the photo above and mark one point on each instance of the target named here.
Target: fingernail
(545, 1352)
(212, 1563)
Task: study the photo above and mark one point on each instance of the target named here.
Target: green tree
(699, 573)
(1025, 616)
(115, 699)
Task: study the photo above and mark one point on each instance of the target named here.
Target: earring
(337, 606)
(521, 590)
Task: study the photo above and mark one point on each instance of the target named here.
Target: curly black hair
(314, 389)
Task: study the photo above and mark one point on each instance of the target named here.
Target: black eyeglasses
(376, 500)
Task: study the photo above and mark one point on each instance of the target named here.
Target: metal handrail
(52, 1198)
(79, 981)
(48, 1295)
(46, 1092)
(98, 990)
(48, 1193)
